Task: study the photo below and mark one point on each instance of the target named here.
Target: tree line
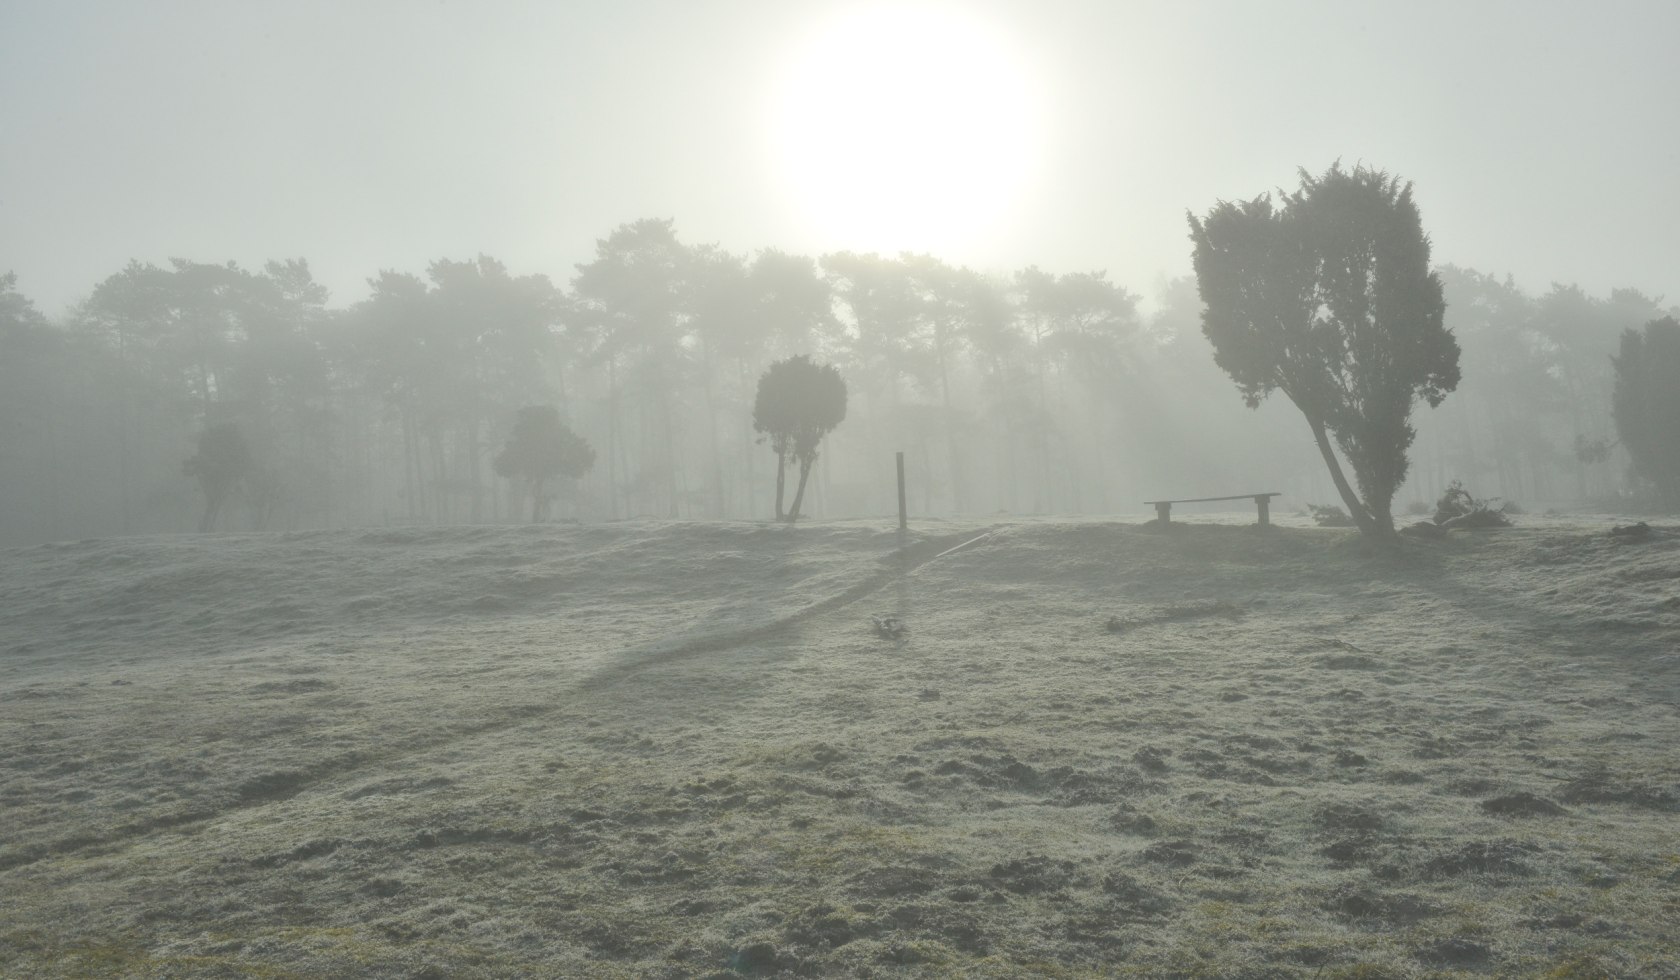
(1030, 392)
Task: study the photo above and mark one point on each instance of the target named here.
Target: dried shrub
(1457, 508)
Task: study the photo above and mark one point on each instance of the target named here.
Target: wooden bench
(1163, 508)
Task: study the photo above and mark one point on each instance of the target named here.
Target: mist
(355, 143)
(663, 489)
(1035, 393)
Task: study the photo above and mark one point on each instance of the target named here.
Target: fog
(367, 236)
(381, 135)
(1014, 395)
(668, 489)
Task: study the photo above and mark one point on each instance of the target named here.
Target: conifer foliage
(1330, 298)
(541, 448)
(222, 463)
(798, 403)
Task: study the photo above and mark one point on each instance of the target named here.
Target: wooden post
(903, 518)
(1265, 504)
(1163, 510)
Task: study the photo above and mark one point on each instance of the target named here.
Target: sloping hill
(683, 749)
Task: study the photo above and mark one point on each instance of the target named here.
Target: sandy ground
(673, 750)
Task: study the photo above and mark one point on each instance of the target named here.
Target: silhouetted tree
(880, 313)
(791, 310)
(1019, 392)
(630, 313)
(1581, 331)
(1502, 431)
(719, 307)
(450, 359)
(194, 343)
(1095, 326)
(997, 350)
(394, 350)
(35, 373)
(493, 343)
(17, 312)
(541, 448)
(799, 402)
(221, 463)
(1647, 404)
(1330, 299)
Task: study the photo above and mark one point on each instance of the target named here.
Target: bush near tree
(798, 403)
(1329, 298)
(1458, 508)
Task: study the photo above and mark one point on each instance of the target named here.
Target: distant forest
(1030, 393)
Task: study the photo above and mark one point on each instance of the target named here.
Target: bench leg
(1162, 514)
(1265, 505)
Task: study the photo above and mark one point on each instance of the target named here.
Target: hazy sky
(1543, 137)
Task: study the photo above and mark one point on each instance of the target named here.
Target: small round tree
(222, 462)
(541, 448)
(799, 402)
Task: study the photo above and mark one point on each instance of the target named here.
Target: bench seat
(1262, 501)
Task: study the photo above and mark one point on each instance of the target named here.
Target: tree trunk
(959, 500)
(412, 478)
(536, 500)
(615, 438)
(212, 506)
(472, 454)
(781, 480)
(1043, 499)
(126, 431)
(824, 485)
(717, 508)
(749, 454)
(799, 495)
(439, 495)
(1356, 508)
(668, 431)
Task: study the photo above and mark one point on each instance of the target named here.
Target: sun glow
(905, 128)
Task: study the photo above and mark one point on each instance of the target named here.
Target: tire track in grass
(274, 786)
(282, 785)
(661, 652)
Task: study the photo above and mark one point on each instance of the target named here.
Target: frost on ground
(678, 750)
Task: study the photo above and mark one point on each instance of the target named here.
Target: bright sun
(905, 128)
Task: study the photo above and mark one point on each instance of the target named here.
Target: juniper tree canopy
(1329, 297)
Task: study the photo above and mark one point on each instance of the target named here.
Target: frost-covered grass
(655, 749)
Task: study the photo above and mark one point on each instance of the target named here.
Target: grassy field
(675, 750)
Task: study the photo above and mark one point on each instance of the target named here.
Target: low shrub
(1457, 508)
(1329, 515)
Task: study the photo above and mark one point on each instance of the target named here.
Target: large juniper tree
(1329, 298)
